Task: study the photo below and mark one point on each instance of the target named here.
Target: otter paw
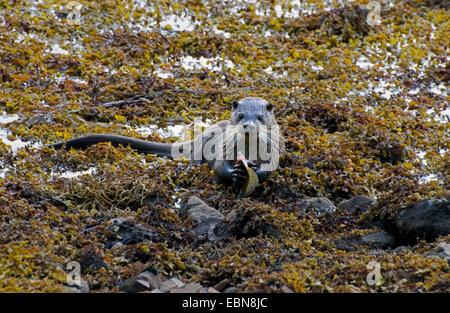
(238, 174)
(252, 165)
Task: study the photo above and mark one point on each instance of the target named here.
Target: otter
(252, 130)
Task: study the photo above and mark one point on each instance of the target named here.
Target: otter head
(254, 131)
(249, 113)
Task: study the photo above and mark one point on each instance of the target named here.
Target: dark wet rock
(146, 280)
(378, 240)
(358, 203)
(230, 290)
(204, 217)
(426, 220)
(318, 205)
(349, 243)
(222, 284)
(124, 231)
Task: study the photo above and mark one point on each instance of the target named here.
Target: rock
(146, 280)
(286, 289)
(401, 249)
(124, 230)
(230, 290)
(361, 203)
(318, 205)
(380, 239)
(349, 243)
(222, 284)
(191, 288)
(40, 119)
(203, 216)
(427, 220)
(212, 290)
(441, 251)
(200, 212)
(172, 283)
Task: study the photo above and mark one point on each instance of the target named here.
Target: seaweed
(364, 110)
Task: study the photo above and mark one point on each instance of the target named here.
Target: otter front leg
(226, 173)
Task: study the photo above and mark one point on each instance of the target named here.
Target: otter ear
(270, 106)
(235, 104)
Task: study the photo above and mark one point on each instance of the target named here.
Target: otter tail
(142, 146)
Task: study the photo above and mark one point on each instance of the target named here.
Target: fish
(252, 179)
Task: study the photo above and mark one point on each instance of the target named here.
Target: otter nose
(249, 126)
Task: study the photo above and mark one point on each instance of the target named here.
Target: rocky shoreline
(426, 220)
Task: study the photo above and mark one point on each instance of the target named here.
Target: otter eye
(240, 116)
(260, 117)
